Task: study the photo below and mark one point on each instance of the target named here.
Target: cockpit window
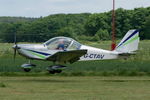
(74, 46)
(58, 43)
(62, 43)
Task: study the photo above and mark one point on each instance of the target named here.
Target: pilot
(61, 45)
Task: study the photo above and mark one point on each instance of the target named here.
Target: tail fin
(129, 43)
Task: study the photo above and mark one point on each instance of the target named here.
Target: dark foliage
(88, 26)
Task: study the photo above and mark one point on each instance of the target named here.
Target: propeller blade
(15, 50)
(15, 41)
(15, 47)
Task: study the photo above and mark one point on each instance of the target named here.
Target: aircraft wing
(67, 56)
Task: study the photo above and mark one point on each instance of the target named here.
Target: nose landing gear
(27, 67)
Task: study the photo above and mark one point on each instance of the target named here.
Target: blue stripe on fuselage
(46, 54)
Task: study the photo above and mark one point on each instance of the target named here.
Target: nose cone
(15, 46)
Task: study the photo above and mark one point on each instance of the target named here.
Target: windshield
(74, 46)
(62, 43)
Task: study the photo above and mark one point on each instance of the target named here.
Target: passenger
(61, 45)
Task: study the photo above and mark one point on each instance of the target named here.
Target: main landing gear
(55, 69)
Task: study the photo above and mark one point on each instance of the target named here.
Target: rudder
(129, 43)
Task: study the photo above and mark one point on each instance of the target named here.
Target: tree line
(84, 26)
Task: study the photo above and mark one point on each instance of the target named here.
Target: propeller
(15, 47)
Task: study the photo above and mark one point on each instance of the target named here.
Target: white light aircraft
(62, 50)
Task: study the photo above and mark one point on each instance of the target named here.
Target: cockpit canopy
(62, 43)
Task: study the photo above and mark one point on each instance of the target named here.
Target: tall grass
(138, 64)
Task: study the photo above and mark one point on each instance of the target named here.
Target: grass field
(74, 88)
(80, 81)
(138, 64)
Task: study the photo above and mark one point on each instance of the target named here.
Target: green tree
(146, 30)
(10, 31)
(95, 22)
(103, 34)
(90, 27)
(66, 31)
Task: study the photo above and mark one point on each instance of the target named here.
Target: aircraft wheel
(58, 71)
(27, 69)
(52, 72)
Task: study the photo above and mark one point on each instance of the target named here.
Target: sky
(37, 8)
